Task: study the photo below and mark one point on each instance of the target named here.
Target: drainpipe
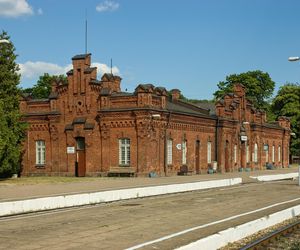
(166, 146)
(216, 140)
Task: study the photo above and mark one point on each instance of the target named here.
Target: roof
(81, 56)
(89, 69)
(53, 95)
(38, 100)
(110, 77)
(208, 106)
(179, 107)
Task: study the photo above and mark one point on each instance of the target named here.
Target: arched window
(267, 152)
(124, 151)
(255, 152)
(184, 150)
(40, 152)
(208, 152)
(169, 151)
(235, 153)
(247, 153)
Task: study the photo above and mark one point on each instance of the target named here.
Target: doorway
(197, 157)
(80, 157)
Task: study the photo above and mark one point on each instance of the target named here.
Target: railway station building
(90, 127)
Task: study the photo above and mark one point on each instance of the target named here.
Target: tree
(287, 103)
(12, 131)
(259, 87)
(42, 88)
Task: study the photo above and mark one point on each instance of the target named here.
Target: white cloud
(107, 5)
(30, 71)
(103, 68)
(15, 8)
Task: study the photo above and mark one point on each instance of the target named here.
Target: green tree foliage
(42, 88)
(12, 131)
(287, 103)
(259, 87)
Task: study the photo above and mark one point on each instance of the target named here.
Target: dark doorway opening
(80, 157)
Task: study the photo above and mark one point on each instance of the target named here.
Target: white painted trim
(209, 224)
(48, 203)
(224, 237)
(275, 177)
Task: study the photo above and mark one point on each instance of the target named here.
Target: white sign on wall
(178, 146)
(244, 138)
(70, 150)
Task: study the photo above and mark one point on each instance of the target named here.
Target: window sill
(124, 165)
(40, 166)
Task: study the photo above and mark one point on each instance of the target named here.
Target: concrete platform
(12, 192)
(50, 198)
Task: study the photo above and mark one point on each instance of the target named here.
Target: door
(197, 157)
(80, 157)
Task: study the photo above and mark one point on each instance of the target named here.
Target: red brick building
(89, 127)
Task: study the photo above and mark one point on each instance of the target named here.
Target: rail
(271, 237)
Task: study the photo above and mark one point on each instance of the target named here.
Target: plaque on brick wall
(70, 150)
(244, 138)
(178, 146)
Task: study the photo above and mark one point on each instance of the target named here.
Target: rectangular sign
(70, 150)
(244, 138)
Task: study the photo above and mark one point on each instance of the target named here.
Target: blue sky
(185, 44)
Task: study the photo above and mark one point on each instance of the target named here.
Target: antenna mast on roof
(111, 66)
(86, 31)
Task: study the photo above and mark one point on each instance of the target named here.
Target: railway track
(287, 237)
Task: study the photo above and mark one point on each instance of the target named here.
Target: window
(255, 152)
(235, 154)
(40, 151)
(169, 151)
(247, 153)
(267, 153)
(279, 153)
(184, 150)
(273, 153)
(124, 151)
(209, 152)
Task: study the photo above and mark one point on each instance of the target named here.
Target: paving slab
(10, 192)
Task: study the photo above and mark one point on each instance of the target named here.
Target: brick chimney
(111, 82)
(175, 94)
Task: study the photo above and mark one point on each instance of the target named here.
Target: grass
(45, 179)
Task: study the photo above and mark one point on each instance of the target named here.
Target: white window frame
(235, 153)
(124, 151)
(247, 153)
(279, 153)
(209, 152)
(169, 151)
(267, 154)
(273, 153)
(184, 151)
(40, 152)
(255, 152)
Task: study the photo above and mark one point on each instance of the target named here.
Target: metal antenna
(86, 30)
(110, 65)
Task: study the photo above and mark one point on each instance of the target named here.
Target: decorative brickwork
(85, 122)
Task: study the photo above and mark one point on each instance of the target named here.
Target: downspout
(216, 140)
(166, 146)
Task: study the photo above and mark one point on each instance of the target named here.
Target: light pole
(293, 59)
